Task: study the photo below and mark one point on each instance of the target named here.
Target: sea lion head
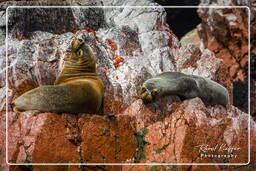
(149, 91)
(82, 55)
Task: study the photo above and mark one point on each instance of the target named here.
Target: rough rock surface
(131, 46)
(225, 32)
(253, 87)
(119, 47)
(141, 134)
(191, 37)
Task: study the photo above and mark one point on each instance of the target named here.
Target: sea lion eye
(80, 52)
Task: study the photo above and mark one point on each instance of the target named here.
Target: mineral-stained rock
(32, 63)
(51, 138)
(141, 134)
(129, 51)
(131, 45)
(225, 32)
(107, 140)
(191, 37)
(28, 133)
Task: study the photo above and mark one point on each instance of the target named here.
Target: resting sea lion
(184, 86)
(77, 89)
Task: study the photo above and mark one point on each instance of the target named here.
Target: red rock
(165, 131)
(178, 136)
(112, 44)
(225, 32)
(142, 133)
(89, 30)
(39, 138)
(112, 139)
(244, 62)
(113, 100)
(117, 61)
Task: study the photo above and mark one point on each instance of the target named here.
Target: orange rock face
(36, 137)
(129, 52)
(176, 132)
(107, 139)
(225, 32)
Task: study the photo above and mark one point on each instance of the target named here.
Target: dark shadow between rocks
(22, 22)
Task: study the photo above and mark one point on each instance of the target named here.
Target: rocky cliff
(141, 134)
(131, 45)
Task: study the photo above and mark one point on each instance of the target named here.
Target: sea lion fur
(77, 89)
(184, 86)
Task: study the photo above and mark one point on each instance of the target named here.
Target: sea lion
(77, 89)
(184, 86)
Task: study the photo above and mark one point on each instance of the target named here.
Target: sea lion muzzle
(146, 98)
(146, 95)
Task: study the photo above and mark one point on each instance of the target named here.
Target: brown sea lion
(184, 86)
(77, 89)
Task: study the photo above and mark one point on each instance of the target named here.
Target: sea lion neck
(74, 69)
(76, 66)
(80, 64)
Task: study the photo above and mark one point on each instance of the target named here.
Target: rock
(20, 19)
(190, 125)
(141, 134)
(191, 37)
(112, 139)
(119, 47)
(225, 32)
(32, 62)
(23, 28)
(131, 45)
(68, 138)
(253, 88)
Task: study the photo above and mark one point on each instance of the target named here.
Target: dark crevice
(181, 20)
(253, 86)
(240, 95)
(24, 21)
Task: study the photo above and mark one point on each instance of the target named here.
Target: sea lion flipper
(16, 109)
(58, 99)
